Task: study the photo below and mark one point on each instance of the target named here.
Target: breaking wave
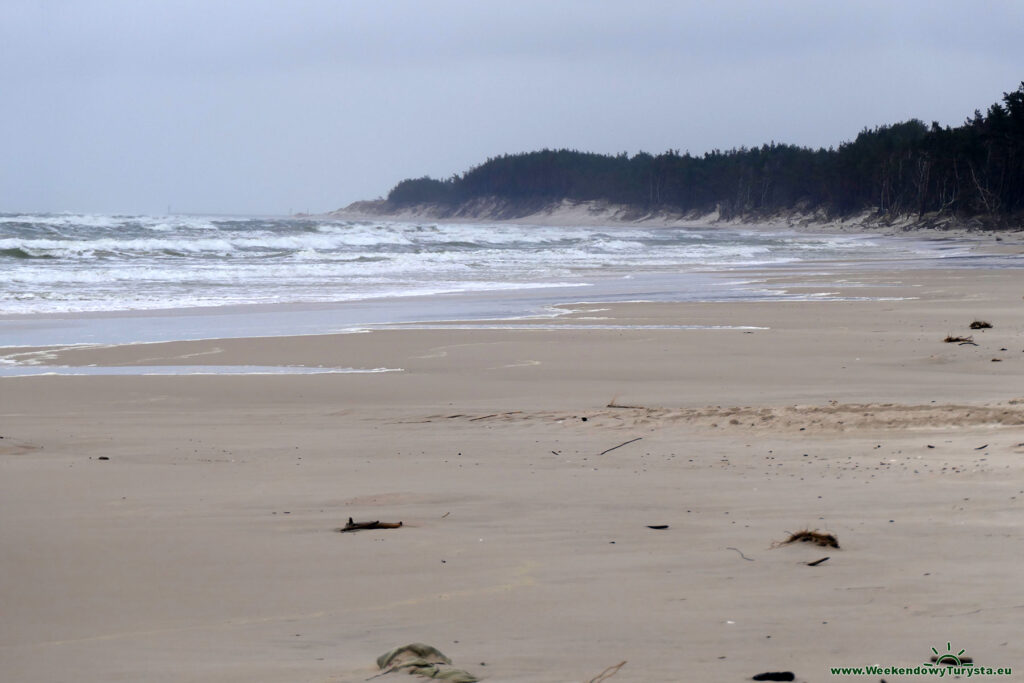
(56, 263)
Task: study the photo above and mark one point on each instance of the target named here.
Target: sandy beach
(527, 462)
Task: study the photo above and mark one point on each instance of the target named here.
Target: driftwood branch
(620, 445)
(377, 524)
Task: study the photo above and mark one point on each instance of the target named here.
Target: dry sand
(204, 548)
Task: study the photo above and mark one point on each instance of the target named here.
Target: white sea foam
(75, 263)
(177, 370)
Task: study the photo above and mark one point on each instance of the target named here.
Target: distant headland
(907, 174)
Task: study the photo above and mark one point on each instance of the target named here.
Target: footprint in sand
(10, 446)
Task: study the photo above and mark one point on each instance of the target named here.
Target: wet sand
(205, 548)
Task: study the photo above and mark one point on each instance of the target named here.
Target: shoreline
(885, 291)
(625, 267)
(528, 301)
(569, 213)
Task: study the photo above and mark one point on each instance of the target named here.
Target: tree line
(975, 169)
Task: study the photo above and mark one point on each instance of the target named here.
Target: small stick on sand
(607, 673)
(816, 562)
(748, 559)
(621, 444)
(612, 404)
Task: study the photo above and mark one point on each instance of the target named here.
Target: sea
(91, 278)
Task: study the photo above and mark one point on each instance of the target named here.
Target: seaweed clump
(815, 537)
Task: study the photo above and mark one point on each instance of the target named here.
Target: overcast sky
(257, 106)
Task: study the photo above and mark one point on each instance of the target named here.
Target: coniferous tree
(908, 168)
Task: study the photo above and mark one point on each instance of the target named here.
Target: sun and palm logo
(949, 658)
